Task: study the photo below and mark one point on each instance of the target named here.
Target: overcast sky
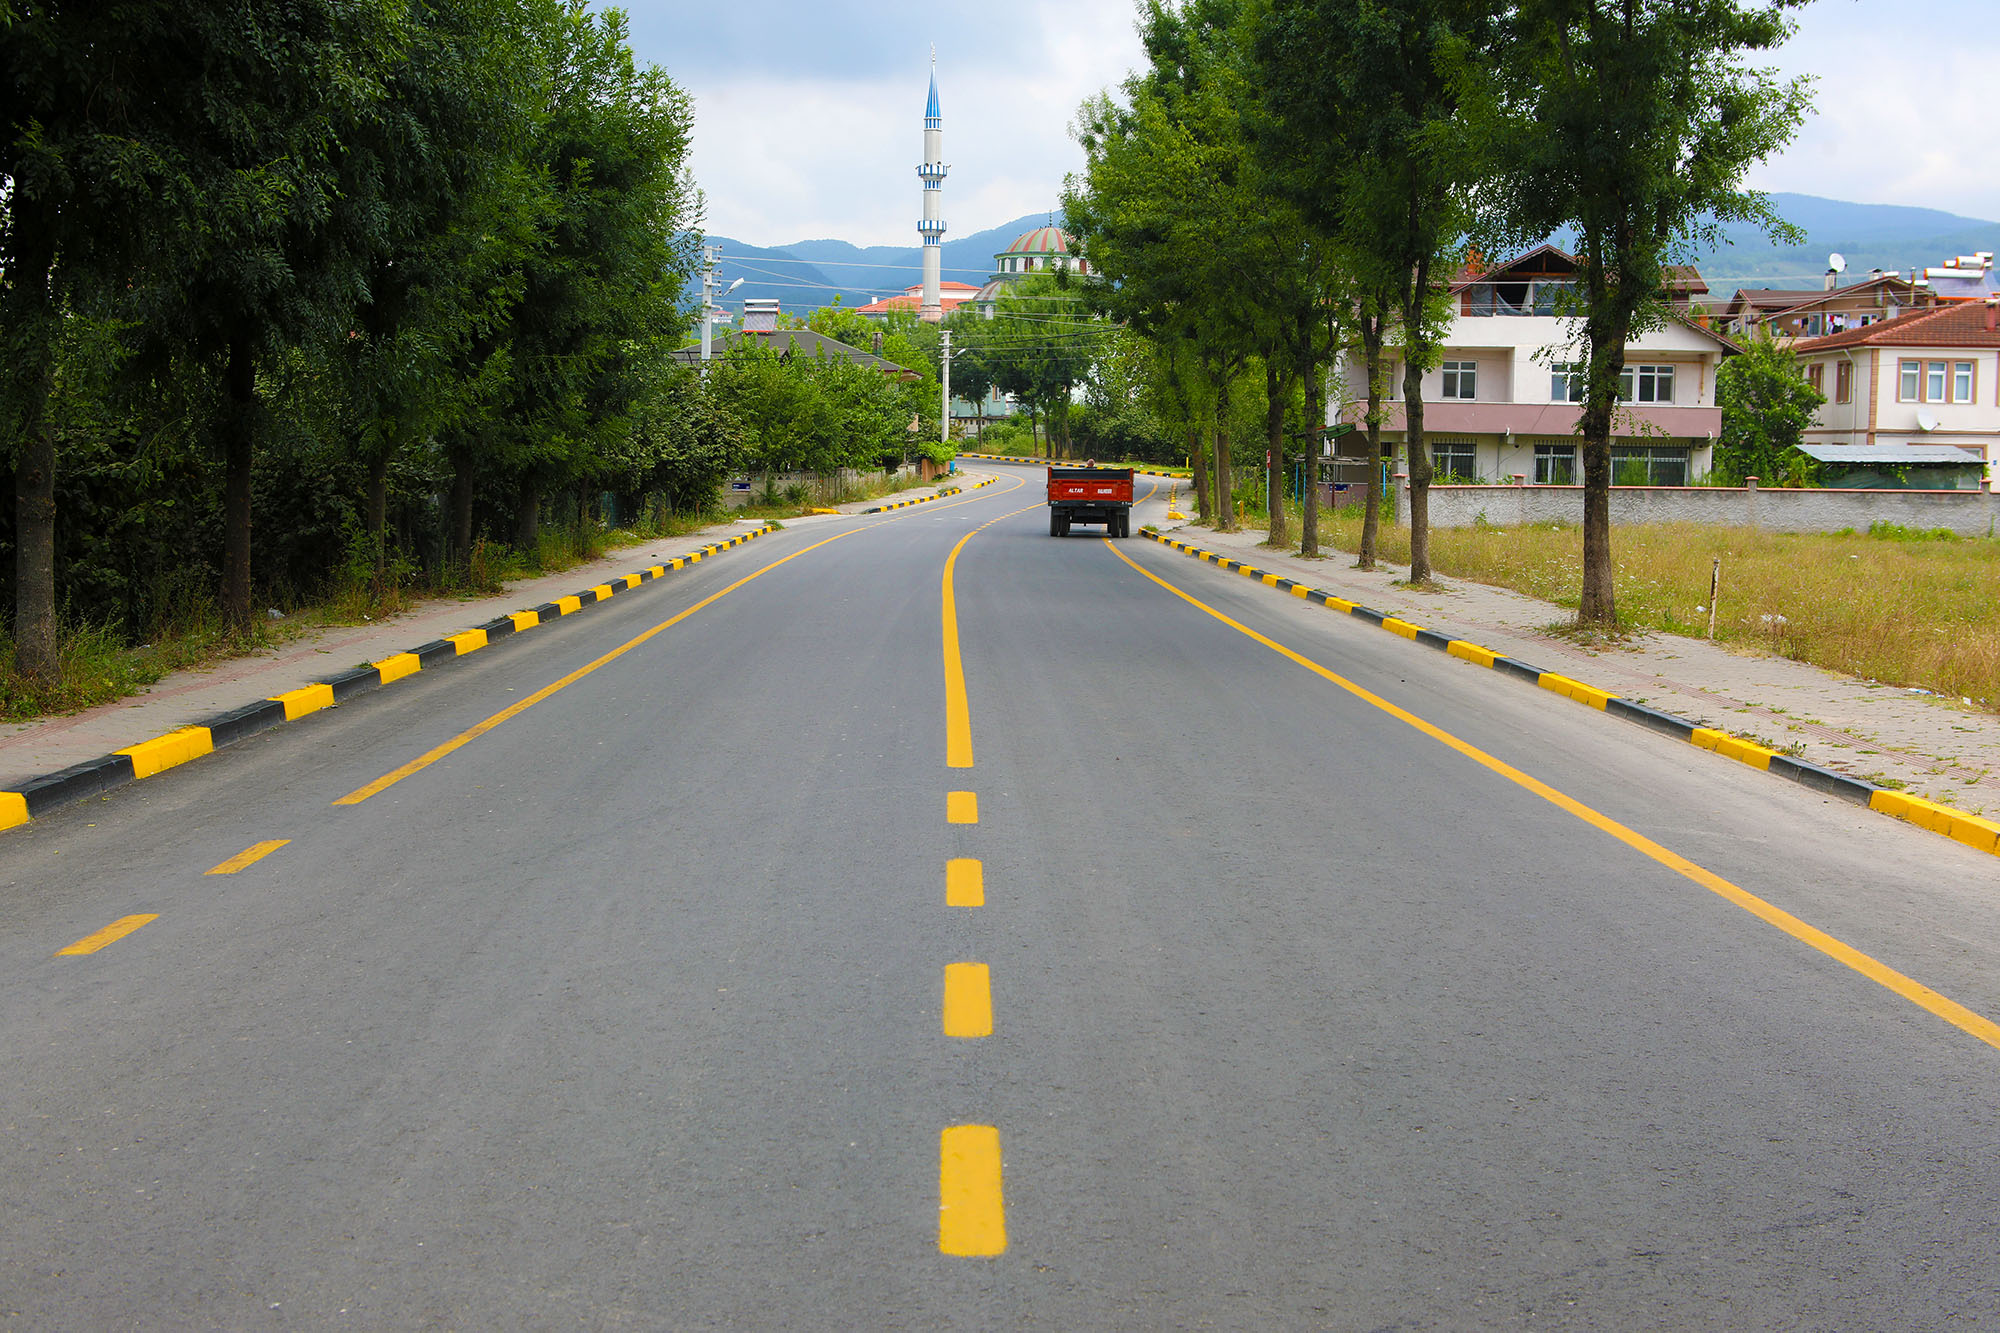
(809, 113)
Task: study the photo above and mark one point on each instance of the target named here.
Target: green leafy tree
(1364, 98)
(1632, 122)
(1767, 407)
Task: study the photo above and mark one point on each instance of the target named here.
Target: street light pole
(711, 256)
(945, 428)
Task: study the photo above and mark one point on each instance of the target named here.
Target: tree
(81, 180)
(1366, 95)
(1767, 406)
(459, 208)
(1038, 347)
(1632, 122)
(268, 218)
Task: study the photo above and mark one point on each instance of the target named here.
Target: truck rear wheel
(1055, 524)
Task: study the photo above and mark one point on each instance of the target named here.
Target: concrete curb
(38, 796)
(1980, 834)
(949, 490)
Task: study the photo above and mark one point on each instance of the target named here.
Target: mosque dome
(1040, 241)
(1039, 250)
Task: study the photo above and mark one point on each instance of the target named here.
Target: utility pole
(946, 427)
(711, 259)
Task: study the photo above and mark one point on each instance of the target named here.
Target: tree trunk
(378, 508)
(527, 514)
(1371, 519)
(1225, 475)
(1315, 422)
(1420, 472)
(1198, 460)
(1599, 603)
(239, 435)
(461, 510)
(1274, 453)
(30, 311)
(1417, 348)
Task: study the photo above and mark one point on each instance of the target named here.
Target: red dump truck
(1090, 495)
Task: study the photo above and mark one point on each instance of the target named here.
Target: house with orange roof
(951, 295)
(1911, 403)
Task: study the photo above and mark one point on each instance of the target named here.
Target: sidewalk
(185, 698)
(1935, 748)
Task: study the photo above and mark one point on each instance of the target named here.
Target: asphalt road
(635, 1009)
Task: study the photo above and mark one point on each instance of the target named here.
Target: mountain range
(809, 274)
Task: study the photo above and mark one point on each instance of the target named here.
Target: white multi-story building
(1505, 401)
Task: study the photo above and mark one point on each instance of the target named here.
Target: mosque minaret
(932, 227)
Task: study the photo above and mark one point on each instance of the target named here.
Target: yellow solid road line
(111, 934)
(1952, 1012)
(249, 856)
(964, 883)
(566, 606)
(957, 708)
(968, 1000)
(466, 737)
(961, 807)
(972, 1219)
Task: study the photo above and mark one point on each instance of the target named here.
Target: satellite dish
(1926, 422)
(1837, 262)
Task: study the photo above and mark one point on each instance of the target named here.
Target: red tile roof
(1962, 324)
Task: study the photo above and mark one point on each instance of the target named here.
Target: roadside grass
(1893, 606)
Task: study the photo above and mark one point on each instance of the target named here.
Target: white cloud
(827, 150)
(809, 115)
(1902, 92)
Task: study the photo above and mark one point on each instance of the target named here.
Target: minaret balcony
(931, 227)
(932, 171)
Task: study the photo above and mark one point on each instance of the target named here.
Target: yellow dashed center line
(249, 856)
(961, 807)
(968, 1000)
(964, 883)
(971, 1220)
(111, 934)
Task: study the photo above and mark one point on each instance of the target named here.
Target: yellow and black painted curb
(40, 795)
(1972, 830)
(924, 500)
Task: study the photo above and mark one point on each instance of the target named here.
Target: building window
(1454, 460)
(1843, 382)
(1460, 379)
(1961, 382)
(1555, 465)
(1816, 376)
(1909, 381)
(1566, 382)
(1934, 382)
(1649, 465)
(1656, 384)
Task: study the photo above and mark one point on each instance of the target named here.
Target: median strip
(50, 791)
(1970, 829)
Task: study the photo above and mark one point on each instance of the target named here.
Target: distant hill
(1868, 236)
(805, 275)
(808, 274)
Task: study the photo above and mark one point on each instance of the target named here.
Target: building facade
(1047, 249)
(1910, 403)
(1505, 402)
